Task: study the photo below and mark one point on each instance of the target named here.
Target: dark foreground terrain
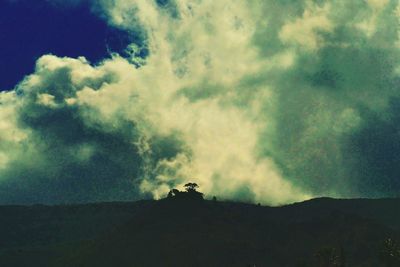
(320, 232)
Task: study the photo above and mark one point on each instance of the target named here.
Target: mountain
(173, 232)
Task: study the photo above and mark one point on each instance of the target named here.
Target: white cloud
(305, 31)
(46, 100)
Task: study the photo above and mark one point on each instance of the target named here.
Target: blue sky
(29, 30)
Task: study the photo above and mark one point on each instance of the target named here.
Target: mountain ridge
(205, 233)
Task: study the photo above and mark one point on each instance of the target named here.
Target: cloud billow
(257, 101)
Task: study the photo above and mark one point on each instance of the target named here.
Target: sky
(260, 101)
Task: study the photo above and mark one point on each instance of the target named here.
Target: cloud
(257, 101)
(305, 31)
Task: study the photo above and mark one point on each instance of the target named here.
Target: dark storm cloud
(327, 139)
(375, 152)
(86, 163)
(254, 100)
(68, 159)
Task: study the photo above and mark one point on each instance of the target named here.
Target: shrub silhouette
(330, 257)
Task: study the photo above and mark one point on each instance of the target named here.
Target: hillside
(200, 233)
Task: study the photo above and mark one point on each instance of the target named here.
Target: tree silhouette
(390, 253)
(190, 194)
(170, 194)
(175, 192)
(190, 187)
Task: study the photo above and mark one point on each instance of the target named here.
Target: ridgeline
(185, 230)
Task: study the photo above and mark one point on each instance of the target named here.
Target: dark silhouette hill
(173, 232)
